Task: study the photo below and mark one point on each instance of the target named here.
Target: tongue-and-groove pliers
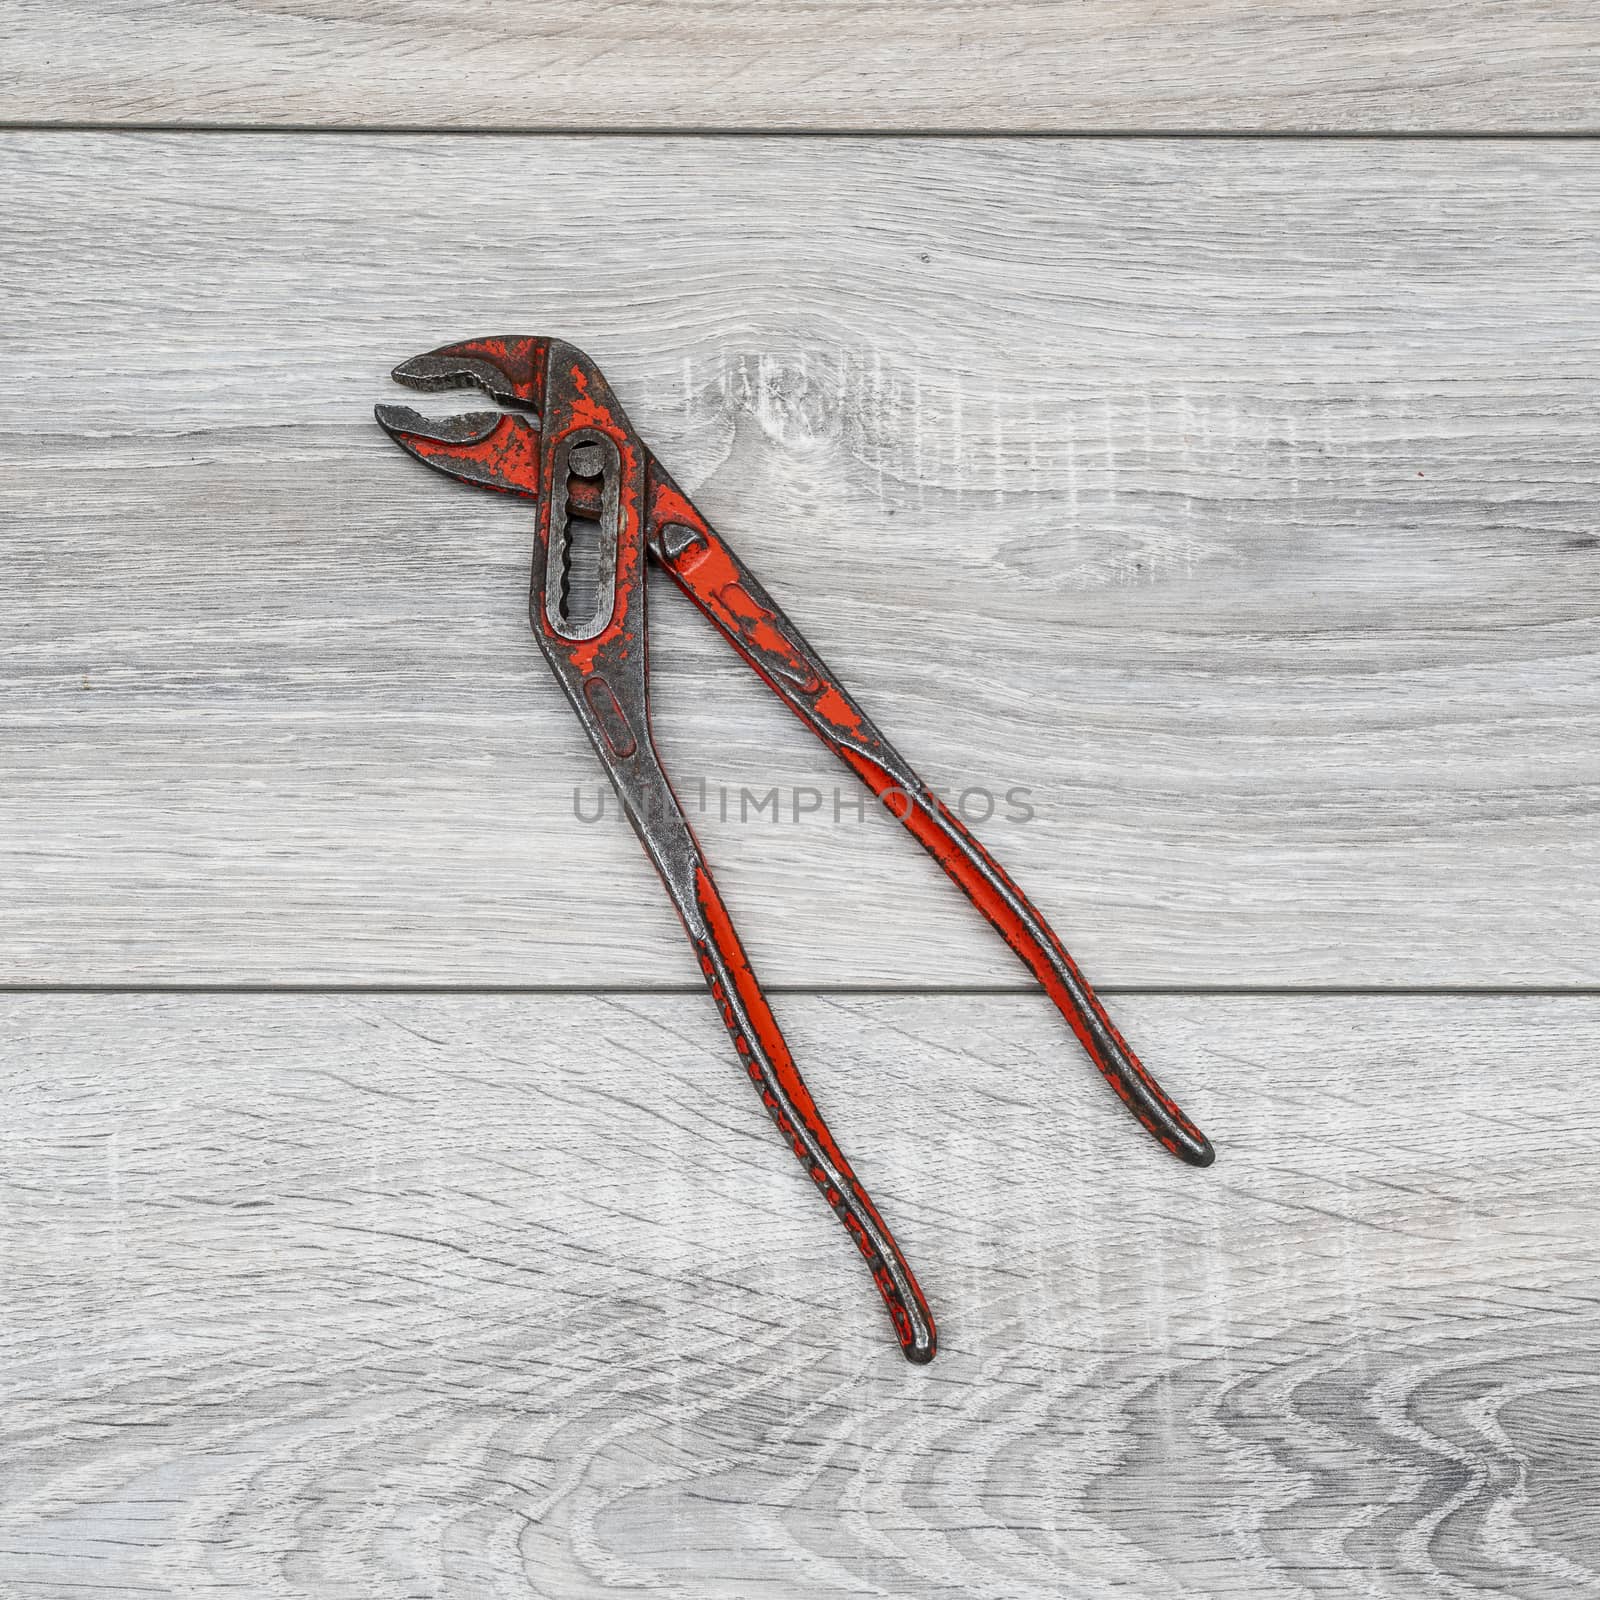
(603, 505)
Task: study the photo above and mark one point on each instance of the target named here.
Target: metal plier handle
(603, 503)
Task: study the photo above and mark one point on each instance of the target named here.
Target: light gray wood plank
(1034, 64)
(1236, 500)
(522, 1296)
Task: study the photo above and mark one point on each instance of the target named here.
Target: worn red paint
(518, 456)
(776, 1050)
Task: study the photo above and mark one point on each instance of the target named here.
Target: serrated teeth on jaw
(466, 427)
(453, 372)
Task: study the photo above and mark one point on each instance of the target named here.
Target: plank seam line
(655, 131)
(839, 991)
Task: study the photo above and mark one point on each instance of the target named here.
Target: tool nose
(492, 449)
(466, 427)
(509, 368)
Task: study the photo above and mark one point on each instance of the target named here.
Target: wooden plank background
(1234, 497)
(1233, 500)
(870, 64)
(500, 1296)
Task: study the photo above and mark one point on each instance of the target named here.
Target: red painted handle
(765, 1055)
(986, 884)
(718, 582)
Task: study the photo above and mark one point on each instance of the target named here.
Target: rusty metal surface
(603, 505)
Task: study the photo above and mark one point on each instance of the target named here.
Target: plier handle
(603, 504)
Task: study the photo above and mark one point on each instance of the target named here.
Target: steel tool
(603, 504)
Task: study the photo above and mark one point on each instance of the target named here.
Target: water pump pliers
(603, 503)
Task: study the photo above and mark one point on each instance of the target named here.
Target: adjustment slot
(581, 565)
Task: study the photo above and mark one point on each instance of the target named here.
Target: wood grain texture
(389, 1297)
(1034, 64)
(1237, 500)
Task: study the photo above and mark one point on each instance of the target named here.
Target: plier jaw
(603, 504)
(491, 449)
(510, 368)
